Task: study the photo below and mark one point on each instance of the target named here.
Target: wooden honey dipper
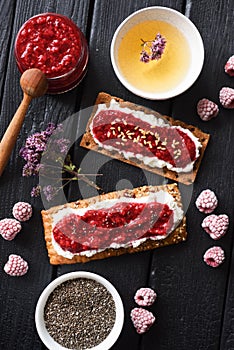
(34, 84)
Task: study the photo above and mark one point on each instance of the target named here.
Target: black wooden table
(195, 306)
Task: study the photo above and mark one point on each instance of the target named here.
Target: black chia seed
(79, 313)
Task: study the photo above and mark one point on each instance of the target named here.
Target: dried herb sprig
(153, 49)
(56, 161)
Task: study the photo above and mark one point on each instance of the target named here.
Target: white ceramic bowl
(185, 26)
(49, 342)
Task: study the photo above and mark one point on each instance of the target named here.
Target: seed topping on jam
(121, 224)
(127, 133)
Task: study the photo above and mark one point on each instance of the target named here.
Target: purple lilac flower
(36, 191)
(30, 169)
(50, 129)
(157, 47)
(63, 145)
(49, 192)
(144, 57)
(57, 147)
(54, 150)
(153, 50)
(34, 146)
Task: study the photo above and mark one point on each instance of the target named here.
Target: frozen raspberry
(207, 109)
(226, 97)
(16, 266)
(142, 319)
(229, 66)
(207, 201)
(22, 211)
(145, 296)
(9, 228)
(216, 225)
(214, 256)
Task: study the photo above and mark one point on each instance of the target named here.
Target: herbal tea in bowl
(157, 53)
(79, 310)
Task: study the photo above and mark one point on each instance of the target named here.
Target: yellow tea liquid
(154, 76)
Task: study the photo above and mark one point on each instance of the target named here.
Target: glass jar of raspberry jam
(55, 45)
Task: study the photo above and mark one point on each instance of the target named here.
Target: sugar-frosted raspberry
(207, 109)
(214, 256)
(229, 66)
(216, 225)
(226, 97)
(16, 266)
(207, 201)
(22, 211)
(145, 296)
(142, 319)
(9, 228)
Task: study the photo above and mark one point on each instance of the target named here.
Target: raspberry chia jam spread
(154, 142)
(55, 45)
(123, 222)
(120, 224)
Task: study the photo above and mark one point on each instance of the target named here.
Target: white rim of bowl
(46, 338)
(163, 95)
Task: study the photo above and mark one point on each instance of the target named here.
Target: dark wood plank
(19, 296)
(227, 338)
(224, 177)
(191, 295)
(129, 272)
(7, 15)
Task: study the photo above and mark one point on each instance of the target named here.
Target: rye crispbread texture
(178, 235)
(186, 178)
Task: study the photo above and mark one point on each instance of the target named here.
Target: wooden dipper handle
(34, 84)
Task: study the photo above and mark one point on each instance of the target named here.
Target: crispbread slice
(178, 235)
(186, 178)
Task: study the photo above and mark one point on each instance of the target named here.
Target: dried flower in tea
(153, 49)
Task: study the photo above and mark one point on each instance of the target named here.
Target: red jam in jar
(55, 45)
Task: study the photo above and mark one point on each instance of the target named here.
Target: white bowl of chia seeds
(79, 310)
